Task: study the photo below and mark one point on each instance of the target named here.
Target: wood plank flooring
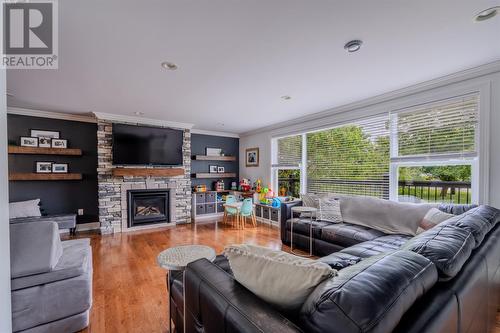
(129, 291)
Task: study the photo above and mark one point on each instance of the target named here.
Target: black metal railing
(411, 191)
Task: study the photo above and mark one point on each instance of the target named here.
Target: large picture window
(425, 153)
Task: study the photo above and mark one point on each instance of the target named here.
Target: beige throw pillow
(279, 278)
(329, 209)
(433, 217)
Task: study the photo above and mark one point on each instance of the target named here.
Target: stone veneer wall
(112, 190)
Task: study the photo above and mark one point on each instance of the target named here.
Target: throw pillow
(279, 278)
(329, 209)
(309, 200)
(28, 208)
(433, 217)
(387, 216)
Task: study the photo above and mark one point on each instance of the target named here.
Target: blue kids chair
(246, 211)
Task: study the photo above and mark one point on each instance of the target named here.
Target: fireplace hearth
(148, 207)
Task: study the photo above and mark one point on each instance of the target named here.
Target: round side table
(176, 259)
(302, 209)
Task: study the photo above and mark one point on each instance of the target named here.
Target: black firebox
(148, 207)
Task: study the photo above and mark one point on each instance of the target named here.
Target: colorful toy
(245, 185)
(219, 185)
(258, 186)
(276, 203)
(234, 187)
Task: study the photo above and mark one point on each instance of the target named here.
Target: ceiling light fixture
(286, 97)
(169, 65)
(487, 14)
(139, 113)
(353, 45)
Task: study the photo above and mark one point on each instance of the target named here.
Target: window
(288, 165)
(350, 159)
(425, 153)
(434, 151)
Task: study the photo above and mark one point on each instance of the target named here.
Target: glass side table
(176, 259)
(302, 209)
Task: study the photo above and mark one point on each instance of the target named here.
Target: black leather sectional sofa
(446, 279)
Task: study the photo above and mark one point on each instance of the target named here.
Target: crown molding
(50, 114)
(214, 133)
(471, 73)
(140, 120)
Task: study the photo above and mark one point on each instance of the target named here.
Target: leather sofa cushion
(478, 221)
(302, 225)
(447, 246)
(346, 234)
(354, 254)
(454, 208)
(371, 296)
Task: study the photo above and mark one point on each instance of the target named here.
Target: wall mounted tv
(141, 145)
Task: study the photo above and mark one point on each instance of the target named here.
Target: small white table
(302, 209)
(176, 259)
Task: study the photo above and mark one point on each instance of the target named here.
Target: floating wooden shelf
(45, 176)
(44, 151)
(214, 158)
(215, 175)
(148, 172)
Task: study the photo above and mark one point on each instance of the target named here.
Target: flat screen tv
(141, 145)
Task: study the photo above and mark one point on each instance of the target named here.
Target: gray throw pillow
(329, 209)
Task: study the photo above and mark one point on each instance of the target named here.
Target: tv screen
(140, 145)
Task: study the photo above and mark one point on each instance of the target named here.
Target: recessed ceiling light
(486, 14)
(220, 124)
(139, 113)
(169, 65)
(353, 45)
(286, 97)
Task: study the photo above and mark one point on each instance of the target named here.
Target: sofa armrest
(216, 302)
(34, 248)
(286, 214)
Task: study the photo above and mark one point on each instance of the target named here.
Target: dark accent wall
(230, 146)
(57, 197)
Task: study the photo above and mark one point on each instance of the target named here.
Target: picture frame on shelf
(209, 151)
(45, 137)
(212, 169)
(59, 143)
(28, 141)
(220, 169)
(252, 157)
(44, 142)
(60, 168)
(43, 167)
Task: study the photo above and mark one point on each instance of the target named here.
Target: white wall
(5, 312)
(487, 75)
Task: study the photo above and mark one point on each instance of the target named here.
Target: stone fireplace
(147, 207)
(114, 192)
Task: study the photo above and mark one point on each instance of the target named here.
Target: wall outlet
(80, 211)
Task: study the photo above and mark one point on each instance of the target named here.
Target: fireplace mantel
(147, 172)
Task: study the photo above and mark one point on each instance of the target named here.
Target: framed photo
(45, 134)
(60, 168)
(59, 143)
(43, 167)
(27, 141)
(252, 157)
(44, 142)
(213, 151)
(212, 168)
(220, 169)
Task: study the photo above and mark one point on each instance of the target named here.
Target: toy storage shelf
(214, 158)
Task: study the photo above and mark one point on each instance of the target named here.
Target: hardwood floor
(129, 288)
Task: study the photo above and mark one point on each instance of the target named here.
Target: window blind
(350, 159)
(289, 152)
(446, 129)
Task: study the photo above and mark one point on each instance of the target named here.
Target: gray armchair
(51, 280)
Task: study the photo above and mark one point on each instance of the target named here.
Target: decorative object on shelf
(212, 168)
(276, 203)
(200, 188)
(60, 167)
(219, 185)
(45, 137)
(258, 185)
(220, 169)
(245, 185)
(28, 141)
(59, 143)
(234, 186)
(43, 167)
(213, 151)
(252, 157)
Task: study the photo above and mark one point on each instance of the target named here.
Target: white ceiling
(237, 57)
